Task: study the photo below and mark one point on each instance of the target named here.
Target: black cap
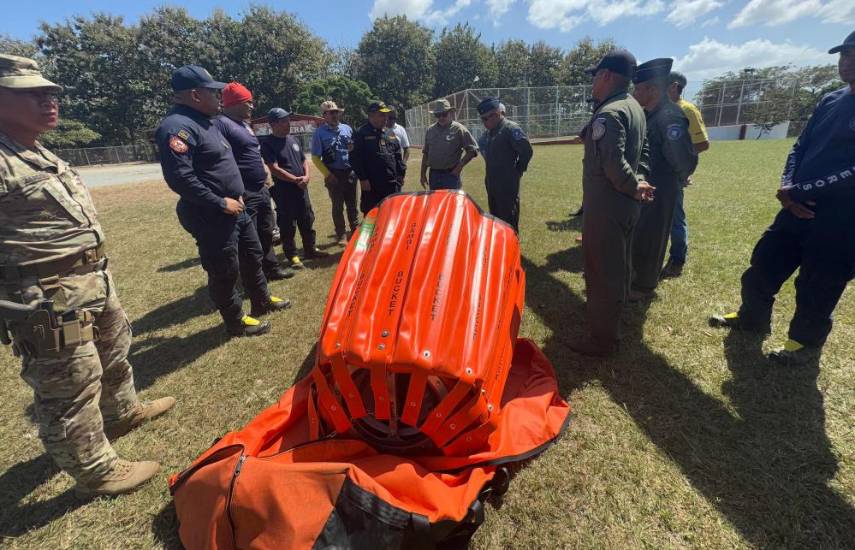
(378, 107)
(194, 76)
(848, 43)
(276, 114)
(488, 104)
(655, 68)
(617, 61)
(677, 77)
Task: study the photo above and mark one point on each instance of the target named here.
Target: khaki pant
(79, 390)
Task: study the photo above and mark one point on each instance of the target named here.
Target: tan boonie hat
(330, 106)
(22, 73)
(440, 106)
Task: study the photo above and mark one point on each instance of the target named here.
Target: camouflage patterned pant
(81, 389)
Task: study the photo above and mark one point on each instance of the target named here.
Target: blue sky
(706, 37)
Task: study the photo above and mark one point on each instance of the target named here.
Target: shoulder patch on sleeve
(178, 145)
(183, 134)
(518, 134)
(598, 128)
(674, 131)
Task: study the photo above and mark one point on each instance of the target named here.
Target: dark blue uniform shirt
(246, 150)
(821, 166)
(284, 151)
(197, 160)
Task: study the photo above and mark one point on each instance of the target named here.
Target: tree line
(116, 75)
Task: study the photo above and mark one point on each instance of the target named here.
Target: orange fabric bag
(420, 393)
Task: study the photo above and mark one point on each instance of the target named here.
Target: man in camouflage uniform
(75, 354)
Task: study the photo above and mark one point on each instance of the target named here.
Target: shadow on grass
(574, 223)
(157, 356)
(766, 470)
(17, 483)
(175, 313)
(165, 528)
(180, 266)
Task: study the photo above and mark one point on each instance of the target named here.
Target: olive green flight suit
(615, 160)
(672, 160)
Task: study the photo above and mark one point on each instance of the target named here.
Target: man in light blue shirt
(331, 146)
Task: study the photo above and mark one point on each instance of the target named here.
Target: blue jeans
(443, 179)
(679, 232)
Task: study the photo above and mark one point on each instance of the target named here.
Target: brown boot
(146, 411)
(125, 477)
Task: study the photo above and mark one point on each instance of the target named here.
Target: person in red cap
(233, 123)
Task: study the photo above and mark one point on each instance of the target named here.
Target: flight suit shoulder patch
(674, 131)
(518, 134)
(598, 128)
(183, 134)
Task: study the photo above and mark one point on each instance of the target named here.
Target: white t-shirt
(402, 136)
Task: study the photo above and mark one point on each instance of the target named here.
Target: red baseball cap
(235, 93)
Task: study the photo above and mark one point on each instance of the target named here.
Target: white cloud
(685, 12)
(420, 10)
(498, 8)
(778, 12)
(709, 57)
(567, 14)
(838, 11)
(710, 22)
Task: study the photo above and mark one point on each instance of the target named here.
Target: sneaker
(124, 477)
(732, 321)
(793, 353)
(144, 412)
(279, 273)
(295, 262)
(249, 326)
(275, 304)
(672, 270)
(277, 237)
(314, 253)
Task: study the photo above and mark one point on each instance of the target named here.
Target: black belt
(78, 264)
(442, 170)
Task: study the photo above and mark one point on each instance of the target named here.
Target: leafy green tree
(584, 54)
(352, 95)
(460, 58)
(13, 46)
(396, 61)
(69, 134)
(544, 64)
(512, 63)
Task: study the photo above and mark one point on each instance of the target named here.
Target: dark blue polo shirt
(246, 150)
(822, 162)
(197, 160)
(286, 152)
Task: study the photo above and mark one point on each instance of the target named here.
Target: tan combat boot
(146, 411)
(125, 477)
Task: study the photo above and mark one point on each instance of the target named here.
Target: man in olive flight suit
(613, 174)
(74, 345)
(506, 152)
(672, 160)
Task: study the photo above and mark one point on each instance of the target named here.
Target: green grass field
(687, 438)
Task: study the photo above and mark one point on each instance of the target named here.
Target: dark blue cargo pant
(228, 247)
(823, 250)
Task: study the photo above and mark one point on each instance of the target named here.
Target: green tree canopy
(351, 95)
(460, 58)
(396, 60)
(69, 134)
(584, 54)
(512, 63)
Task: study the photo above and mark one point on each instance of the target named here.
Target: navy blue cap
(848, 43)
(378, 107)
(617, 61)
(655, 68)
(194, 76)
(276, 114)
(488, 104)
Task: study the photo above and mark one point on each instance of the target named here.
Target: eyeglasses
(441, 115)
(41, 96)
(485, 118)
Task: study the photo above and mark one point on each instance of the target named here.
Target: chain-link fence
(134, 152)
(562, 111)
